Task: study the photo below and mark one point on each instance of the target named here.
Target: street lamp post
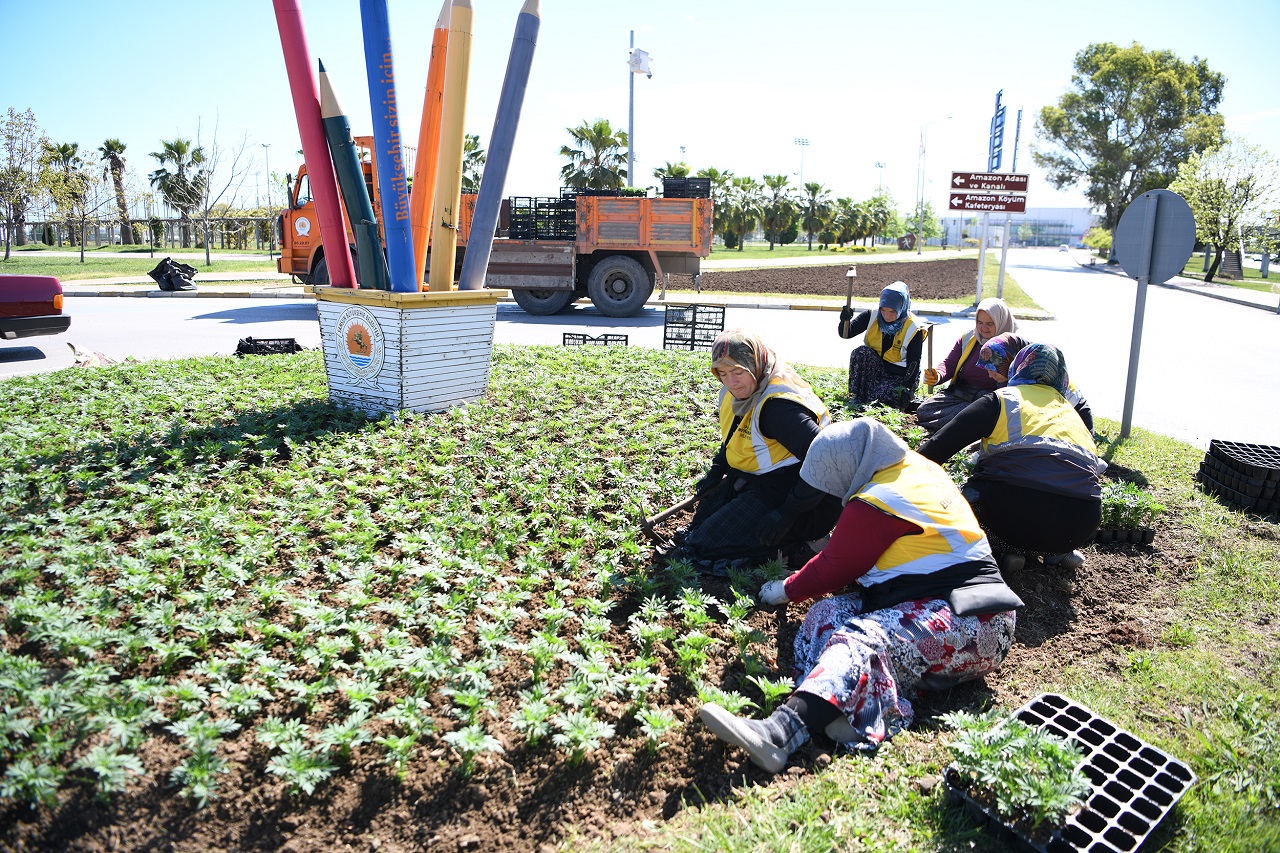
(271, 232)
(880, 166)
(920, 183)
(637, 63)
(803, 143)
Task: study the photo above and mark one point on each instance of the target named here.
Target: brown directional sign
(988, 202)
(991, 182)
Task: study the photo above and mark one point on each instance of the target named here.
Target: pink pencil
(306, 104)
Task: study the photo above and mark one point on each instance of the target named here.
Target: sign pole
(1140, 307)
(982, 257)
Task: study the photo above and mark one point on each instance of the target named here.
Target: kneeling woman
(753, 502)
(930, 608)
(886, 368)
(1037, 486)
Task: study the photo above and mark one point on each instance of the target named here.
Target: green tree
(112, 152)
(816, 207)
(880, 213)
(1098, 239)
(779, 208)
(745, 208)
(1130, 118)
(182, 186)
(671, 170)
(473, 157)
(19, 173)
(64, 179)
(597, 156)
(1228, 188)
(721, 185)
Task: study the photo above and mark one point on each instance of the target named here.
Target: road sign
(988, 202)
(1166, 241)
(1153, 241)
(992, 182)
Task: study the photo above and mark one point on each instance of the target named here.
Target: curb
(1198, 291)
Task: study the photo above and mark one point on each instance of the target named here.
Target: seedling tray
(1251, 460)
(692, 327)
(1134, 784)
(574, 339)
(267, 346)
(1213, 482)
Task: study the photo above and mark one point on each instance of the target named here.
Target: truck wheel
(619, 286)
(542, 302)
(320, 272)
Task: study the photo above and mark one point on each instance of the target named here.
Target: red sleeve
(862, 534)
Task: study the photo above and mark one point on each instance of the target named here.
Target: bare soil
(951, 279)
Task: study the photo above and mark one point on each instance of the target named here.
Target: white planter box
(417, 352)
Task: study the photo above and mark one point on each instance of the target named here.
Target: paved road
(1209, 369)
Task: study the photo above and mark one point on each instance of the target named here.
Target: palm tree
(597, 157)
(817, 203)
(746, 207)
(112, 152)
(65, 182)
(721, 183)
(779, 208)
(183, 187)
(473, 157)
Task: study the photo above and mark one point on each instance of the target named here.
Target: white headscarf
(1000, 315)
(845, 456)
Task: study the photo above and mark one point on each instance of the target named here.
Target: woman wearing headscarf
(1036, 487)
(753, 502)
(929, 608)
(996, 357)
(966, 378)
(886, 368)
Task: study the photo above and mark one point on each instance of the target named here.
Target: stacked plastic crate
(692, 327)
(1246, 476)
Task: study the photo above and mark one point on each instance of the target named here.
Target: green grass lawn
(1252, 280)
(71, 269)
(215, 584)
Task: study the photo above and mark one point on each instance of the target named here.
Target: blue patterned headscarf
(998, 351)
(1040, 364)
(897, 297)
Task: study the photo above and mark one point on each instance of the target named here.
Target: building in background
(1039, 226)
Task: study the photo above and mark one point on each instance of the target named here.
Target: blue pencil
(393, 183)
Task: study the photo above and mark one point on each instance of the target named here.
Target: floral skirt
(873, 380)
(871, 665)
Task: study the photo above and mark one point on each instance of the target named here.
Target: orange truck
(548, 252)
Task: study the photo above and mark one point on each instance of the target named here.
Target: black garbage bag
(171, 275)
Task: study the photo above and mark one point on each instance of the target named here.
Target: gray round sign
(1169, 242)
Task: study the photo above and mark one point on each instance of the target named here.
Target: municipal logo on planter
(360, 343)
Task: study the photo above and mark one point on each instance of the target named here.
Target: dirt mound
(953, 279)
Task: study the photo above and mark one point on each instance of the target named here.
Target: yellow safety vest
(1038, 416)
(748, 449)
(897, 353)
(968, 341)
(919, 491)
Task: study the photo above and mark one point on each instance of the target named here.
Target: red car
(31, 305)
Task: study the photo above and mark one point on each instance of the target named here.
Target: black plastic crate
(1134, 784)
(692, 327)
(686, 188)
(533, 218)
(1252, 460)
(267, 346)
(574, 339)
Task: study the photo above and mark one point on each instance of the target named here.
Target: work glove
(774, 593)
(930, 376)
(773, 527)
(846, 321)
(709, 481)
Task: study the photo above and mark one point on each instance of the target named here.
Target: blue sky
(734, 83)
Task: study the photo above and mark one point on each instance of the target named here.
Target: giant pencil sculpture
(306, 105)
(346, 162)
(393, 181)
(444, 232)
(485, 220)
(423, 195)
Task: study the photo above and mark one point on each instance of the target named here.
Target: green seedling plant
(471, 741)
(1031, 778)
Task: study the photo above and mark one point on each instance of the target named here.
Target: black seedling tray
(1254, 487)
(574, 339)
(1134, 784)
(1252, 460)
(692, 327)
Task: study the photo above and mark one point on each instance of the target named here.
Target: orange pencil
(423, 195)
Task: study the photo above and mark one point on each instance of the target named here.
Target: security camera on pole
(638, 64)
